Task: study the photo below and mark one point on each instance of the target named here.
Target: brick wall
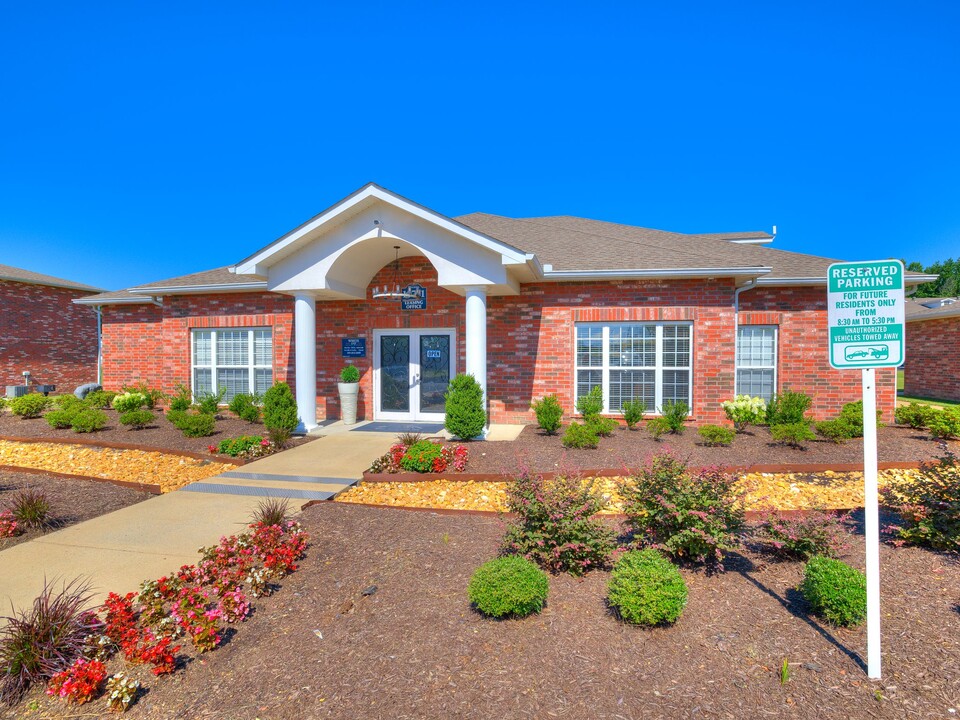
(42, 331)
(932, 367)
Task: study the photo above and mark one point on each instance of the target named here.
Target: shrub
(556, 525)
(835, 591)
(271, 511)
(100, 399)
(246, 407)
(792, 434)
(801, 537)
(66, 401)
(182, 398)
(234, 447)
(549, 414)
(152, 396)
(61, 419)
(714, 435)
(3, 403)
(689, 517)
(591, 404)
(633, 411)
(745, 410)
(788, 408)
(192, 426)
(465, 416)
(580, 436)
(280, 413)
(945, 424)
(137, 419)
(30, 406)
(657, 427)
(128, 401)
(602, 426)
(508, 587)
(929, 505)
(89, 420)
(409, 438)
(350, 374)
(422, 456)
(675, 413)
(914, 414)
(30, 508)
(38, 643)
(80, 682)
(209, 402)
(852, 414)
(838, 430)
(646, 589)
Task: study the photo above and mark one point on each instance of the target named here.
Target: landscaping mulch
(539, 452)
(160, 434)
(71, 500)
(376, 624)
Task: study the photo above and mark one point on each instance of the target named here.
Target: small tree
(549, 413)
(280, 413)
(465, 416)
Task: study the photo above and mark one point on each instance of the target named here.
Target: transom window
(237, 359)
(757, 360)
(649, 362)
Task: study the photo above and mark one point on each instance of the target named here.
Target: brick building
(932, 367)
(528, 306)
(43, 332)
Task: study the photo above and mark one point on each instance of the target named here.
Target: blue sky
(139, 142)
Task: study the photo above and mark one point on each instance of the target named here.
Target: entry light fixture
(397, 293)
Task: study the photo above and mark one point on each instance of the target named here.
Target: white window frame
(776, 352)
(251, 365)
(658, 368)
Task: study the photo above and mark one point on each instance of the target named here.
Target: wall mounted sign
(353, 347)
(417, 299)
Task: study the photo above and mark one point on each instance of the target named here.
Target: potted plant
(349, 386)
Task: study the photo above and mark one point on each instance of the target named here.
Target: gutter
(550, 274)
(822, 280)
(133, 300)
(188, 289)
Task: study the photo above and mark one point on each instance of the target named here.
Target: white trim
(550, 274)
(251, 365)
(789, 281)
(187, 289)
(413, 415)
(135, 300)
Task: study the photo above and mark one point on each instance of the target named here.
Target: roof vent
(939, 303)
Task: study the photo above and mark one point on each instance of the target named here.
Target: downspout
(736, 326)
(99, 310)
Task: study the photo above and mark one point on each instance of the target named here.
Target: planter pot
(348, 402)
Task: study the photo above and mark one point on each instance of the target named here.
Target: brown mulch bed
(544, 453)
(161, 434)
(319, 648)
(71, 500)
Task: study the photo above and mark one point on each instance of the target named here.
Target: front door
(411, 372)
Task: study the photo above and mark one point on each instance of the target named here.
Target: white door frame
(414, 414)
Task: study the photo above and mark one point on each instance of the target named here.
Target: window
(650, 362)
(239, 360)
(757, 360)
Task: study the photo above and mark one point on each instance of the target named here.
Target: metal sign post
(865, 310)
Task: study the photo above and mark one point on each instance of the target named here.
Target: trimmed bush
(691, 518)
(945, 424)
(209, 403)
(646, 589)
(89, 420)
(591, 404)
(792, 434)
(657, 427)
(602, 426)
(152, 396)
(835, 591)
(675, 413)
(508, 587)
(788, 408)
(182, 398)
(100, 399)
(137, 419)
(633, 411)
(801, 537)
(30, 406)
(716, 435)
(246, 407)
(914, 414)
(580, 436)
(128, 401)
(852, 415)
(465, 416)
(745, 410)
(420, 457)
(929, 506)
(549, 414)
(65, 401)
(61, 419)
(350, 374)
(192, 426)
(280, 413)
(838, 430)
(556, 524)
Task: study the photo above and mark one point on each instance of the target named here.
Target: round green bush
(508, 586)
(549, 413)
(465, 416)
(350, 374)
(191, 426)
(89, 420)
(61, 419)
(128, 402)
(137, 419)
(100, 399)
(580, 436)
(835, 591)
(30, 406)
(716, 435)
(647, 589)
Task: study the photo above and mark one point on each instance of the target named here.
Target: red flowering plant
(8, 525)
(279, 546)
(79, 683)
(422, 456)
(158, 652)
(121, 622)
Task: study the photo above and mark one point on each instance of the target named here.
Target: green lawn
(923, 401)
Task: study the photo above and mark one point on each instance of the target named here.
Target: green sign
(865, 314)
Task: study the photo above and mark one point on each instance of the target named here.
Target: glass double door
(412, 369)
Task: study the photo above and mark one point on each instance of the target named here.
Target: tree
(947, 285)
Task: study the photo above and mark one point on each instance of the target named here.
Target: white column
(305, 334)
(476, 340)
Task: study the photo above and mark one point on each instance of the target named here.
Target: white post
(872, 521)
(476, 340)
(305, 333)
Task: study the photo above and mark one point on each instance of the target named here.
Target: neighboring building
(43, 332)
(529, 306)
(932, 367)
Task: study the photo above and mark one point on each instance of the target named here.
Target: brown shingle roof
(8, 272)
(142, 293)
(917, 310)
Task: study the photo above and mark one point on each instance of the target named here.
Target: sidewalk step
(237, 475)
(260, 491)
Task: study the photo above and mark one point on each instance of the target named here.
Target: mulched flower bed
(412, 647)
(160, 434)
(542, 453)
(71, 500)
